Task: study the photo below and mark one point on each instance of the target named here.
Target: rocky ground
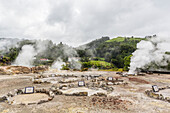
(129, 98)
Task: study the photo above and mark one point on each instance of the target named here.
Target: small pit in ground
(29, 98)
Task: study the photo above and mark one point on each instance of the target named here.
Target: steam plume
(71, 54)
(74, 63)
(26, 56)
(150, 51)
(58, 64)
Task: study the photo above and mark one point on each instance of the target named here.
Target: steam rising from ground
(151, 51)
(26, 56)
(74, 63)
(72, 56)
(58, 64)
(41, 49)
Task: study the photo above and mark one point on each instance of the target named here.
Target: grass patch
(97, 64)
(118, 39)
(121, 39)
(103, 63)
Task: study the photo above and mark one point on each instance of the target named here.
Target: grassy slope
(118, 39)
(103, 63)
(98, 64)
(121, 39)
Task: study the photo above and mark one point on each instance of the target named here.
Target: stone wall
(152, 94)
(15, 92)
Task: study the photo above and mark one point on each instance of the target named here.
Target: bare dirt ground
(26, 98)
(130, 98)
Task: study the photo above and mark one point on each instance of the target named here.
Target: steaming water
(152, 50)
(26, 56)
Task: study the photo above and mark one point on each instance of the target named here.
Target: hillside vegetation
(103, 53)
(116, 51)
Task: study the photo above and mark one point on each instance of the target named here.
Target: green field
(121, 39)
(102, 63)
(97, 64)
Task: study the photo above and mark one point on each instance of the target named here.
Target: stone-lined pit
(161, 95)
(20, 97)
(27, 99)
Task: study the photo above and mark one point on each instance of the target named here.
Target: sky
(79, 21)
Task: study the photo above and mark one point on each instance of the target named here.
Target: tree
(12, 54)
(127, 62)
(107, 57)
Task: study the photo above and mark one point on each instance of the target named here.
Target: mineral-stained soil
(10, 70)
(134, 79)
(129, 98)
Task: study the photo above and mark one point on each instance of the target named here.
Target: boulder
(3, 99)
(100, 94)
(43, 90)
(10, 94)
(167, 99)
(161, 97)
(109, 83)
(56, 91)
(109, 89)
(19, 91)
(2, 71)
(51, 94)
(80, 94)
(63, 87)
(156, 96)
(38, 90)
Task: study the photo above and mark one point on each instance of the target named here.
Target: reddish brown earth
(138, 80)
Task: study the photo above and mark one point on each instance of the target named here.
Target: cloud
(75, 22)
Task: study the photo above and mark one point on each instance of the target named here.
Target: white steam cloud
(26, 56)
(58, 64)
(6, 44)
(74, 63)
(151, 51)
(73, 60)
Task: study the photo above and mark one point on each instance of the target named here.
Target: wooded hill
(103, 53)
(116, 51)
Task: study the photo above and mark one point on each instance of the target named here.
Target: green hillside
(116, 51)
(118, 39)
(122, 39)
(97, 64)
